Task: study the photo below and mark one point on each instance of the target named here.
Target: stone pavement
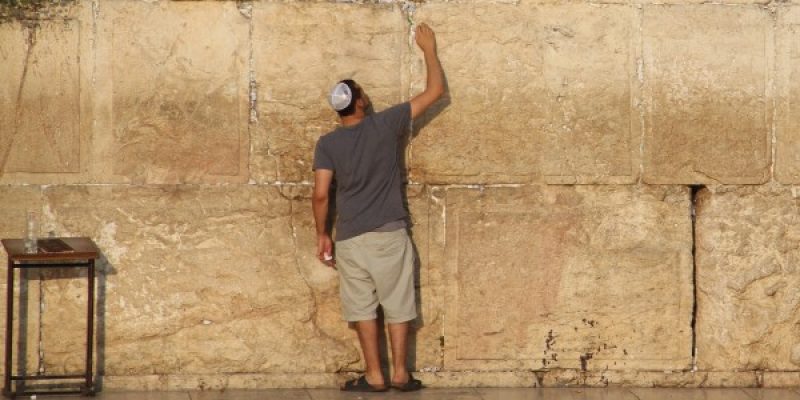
(467, 394)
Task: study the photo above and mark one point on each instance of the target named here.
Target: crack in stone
(31, 42)
(695, 190)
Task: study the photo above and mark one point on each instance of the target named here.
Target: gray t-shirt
(364, 160)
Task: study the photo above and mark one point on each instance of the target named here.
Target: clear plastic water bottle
(31, 240)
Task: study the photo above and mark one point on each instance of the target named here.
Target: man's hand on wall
(426, 39)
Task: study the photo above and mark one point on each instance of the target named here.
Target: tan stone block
(787, 151)
(593, 132)
(681, 379)
(579, 277)
(300, 52)
(779, 379)
(484, 129)
(43, 101)
(707, 109)
(535, 94)
(747, 254)
(180, 91)
(198, 280)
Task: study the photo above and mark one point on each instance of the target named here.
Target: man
(374, 254)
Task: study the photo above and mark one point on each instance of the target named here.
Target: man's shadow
(433, 111)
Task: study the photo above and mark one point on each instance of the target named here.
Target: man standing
(374, 254)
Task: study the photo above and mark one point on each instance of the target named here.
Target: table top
(84, 247)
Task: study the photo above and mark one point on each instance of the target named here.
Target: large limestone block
(424, 344)
(787, 152)
(593, 132)
(747, 255)
(196, 280)
(535, 94)
(707, 109)
(484, 130)
(581, 277)
(301, 50)
(180, 91)
(43, 101)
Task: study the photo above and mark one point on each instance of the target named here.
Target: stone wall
(604, 196)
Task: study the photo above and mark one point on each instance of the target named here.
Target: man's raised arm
(434, 86)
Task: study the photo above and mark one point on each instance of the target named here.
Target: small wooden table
(84, 255)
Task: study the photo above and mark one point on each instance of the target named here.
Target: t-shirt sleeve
(397, 118)
(321, 158)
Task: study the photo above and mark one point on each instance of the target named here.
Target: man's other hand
(325, 250)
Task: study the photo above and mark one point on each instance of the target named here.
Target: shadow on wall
(419, 124)
(433, 111)
(72, 331)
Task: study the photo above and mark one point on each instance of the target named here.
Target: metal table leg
(89, 389)
(9, 326)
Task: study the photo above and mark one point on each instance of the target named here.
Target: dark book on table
(54, 246)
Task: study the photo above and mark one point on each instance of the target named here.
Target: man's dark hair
(351, 108)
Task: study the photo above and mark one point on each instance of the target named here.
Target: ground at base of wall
(456, 379)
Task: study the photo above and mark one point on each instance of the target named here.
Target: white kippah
(340, 97)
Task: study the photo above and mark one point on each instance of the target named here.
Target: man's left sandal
(360, 384)
(411, 386)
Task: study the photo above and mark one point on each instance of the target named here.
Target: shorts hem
(361, 318)
(400, 320)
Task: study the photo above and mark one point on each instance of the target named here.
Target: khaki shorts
(377, 268)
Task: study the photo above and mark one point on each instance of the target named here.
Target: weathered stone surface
(180, 91)
(40, 101)
(301, 50)
(747, 255)
(568, 277)
(535, 94)
(707, 109)
(592, 133)
(198, 280)
(778, 379)
(217, 287)
(787, 157)
(484, 130)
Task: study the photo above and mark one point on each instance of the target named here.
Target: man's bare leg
(368, 338)
(398, 335)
